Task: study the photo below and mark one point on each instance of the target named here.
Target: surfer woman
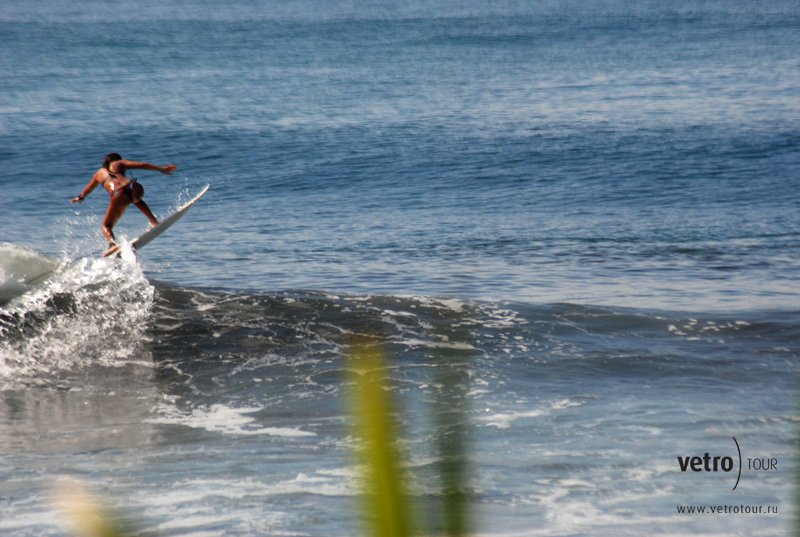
(123, 191)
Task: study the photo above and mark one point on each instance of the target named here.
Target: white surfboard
(35, 268)
(143, 239)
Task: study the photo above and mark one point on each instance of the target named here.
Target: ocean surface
(572, 227)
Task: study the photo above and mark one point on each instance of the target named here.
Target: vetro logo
(707, 463)
(699, 464)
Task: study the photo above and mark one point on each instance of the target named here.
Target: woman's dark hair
(111, 157)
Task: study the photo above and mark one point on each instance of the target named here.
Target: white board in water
(140, 241)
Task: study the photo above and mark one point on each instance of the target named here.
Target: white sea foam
(223, 419)
(189, 497)
(564, 403)
(92, 312)
(436, 344)
(504, 420)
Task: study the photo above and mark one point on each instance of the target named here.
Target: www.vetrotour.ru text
(728, 509)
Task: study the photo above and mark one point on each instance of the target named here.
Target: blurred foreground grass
(387, 498)
(86, 515)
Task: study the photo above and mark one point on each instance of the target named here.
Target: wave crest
(94, 311)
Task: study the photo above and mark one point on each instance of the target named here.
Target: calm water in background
(575, 222)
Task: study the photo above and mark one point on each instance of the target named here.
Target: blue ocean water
(571, 225)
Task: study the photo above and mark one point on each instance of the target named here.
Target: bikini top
(110, 177)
